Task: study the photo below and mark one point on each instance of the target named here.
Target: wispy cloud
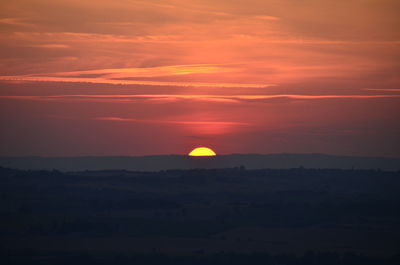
(128, 82)
(198, 126)
(51, 46)
(15, 22)
(154, 71)
(125, 76)
(271, 38)
(224, 123)
(209, 97)
(384, 89)
(267, 18)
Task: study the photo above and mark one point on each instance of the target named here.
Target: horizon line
(186, 155)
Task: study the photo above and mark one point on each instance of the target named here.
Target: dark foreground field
(223, 216)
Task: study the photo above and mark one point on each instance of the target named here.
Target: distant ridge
(164, 162)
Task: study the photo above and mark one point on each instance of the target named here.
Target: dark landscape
(200, 216)
(165, 162)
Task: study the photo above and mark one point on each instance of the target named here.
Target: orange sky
(147, 77)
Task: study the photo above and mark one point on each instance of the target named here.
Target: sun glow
(202, 151)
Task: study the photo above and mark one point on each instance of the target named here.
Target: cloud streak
(128, 82)
(153, 71)
(223, 123)
(124, 76)
(209, 97)
(15, 22)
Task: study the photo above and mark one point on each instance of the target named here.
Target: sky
(126, 77)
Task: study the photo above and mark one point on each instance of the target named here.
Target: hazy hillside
(163, 162)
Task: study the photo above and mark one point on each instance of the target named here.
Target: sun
(202, 151)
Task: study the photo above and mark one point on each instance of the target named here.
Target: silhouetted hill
(201, 216)
(164, 162)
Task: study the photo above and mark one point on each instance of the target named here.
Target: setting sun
(202, 151)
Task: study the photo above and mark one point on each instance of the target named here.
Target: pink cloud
(228, 123)
(203, 97)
